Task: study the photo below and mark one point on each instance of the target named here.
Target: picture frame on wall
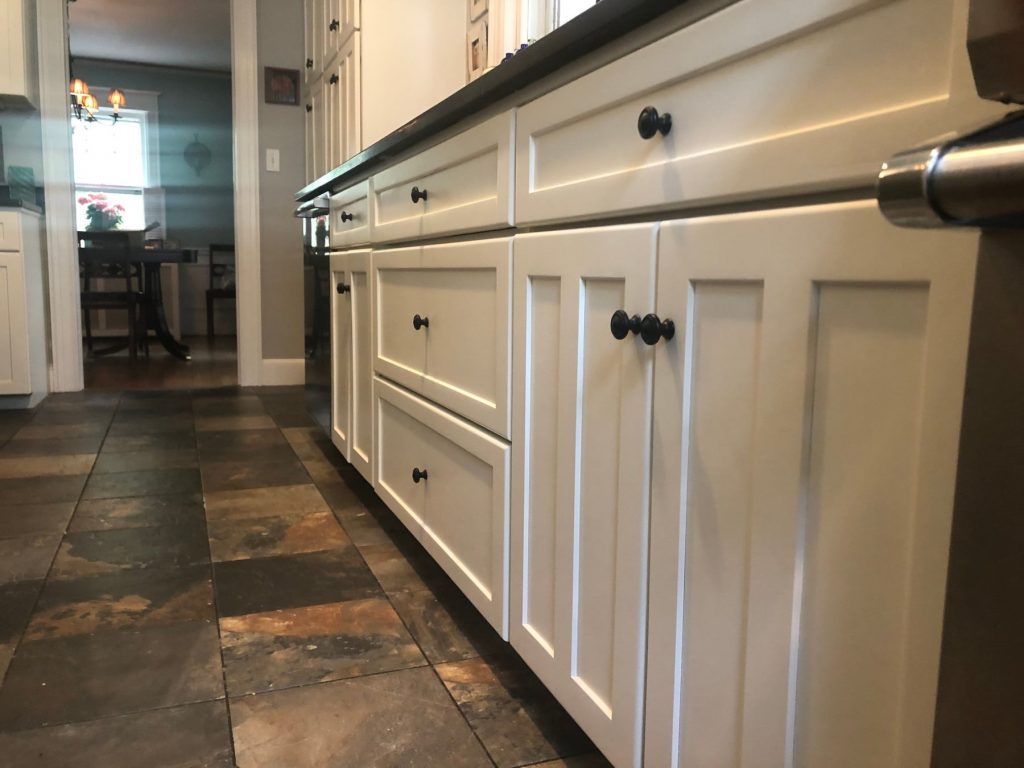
(476, 48)
(281, 86)
(477, 8)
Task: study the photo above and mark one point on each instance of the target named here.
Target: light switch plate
(273, 160)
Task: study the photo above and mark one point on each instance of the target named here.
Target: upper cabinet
(19, 80)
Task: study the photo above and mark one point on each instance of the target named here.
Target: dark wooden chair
(106, 256)
(222, 280)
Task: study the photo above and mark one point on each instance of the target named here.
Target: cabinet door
(342, 20)
(352, 367)
(341, 354)
(14, 354)
(319, 117)
(309, 65)
(320, 8)
(581, 446)
(310, 139)
(342, 96)
(805, 447)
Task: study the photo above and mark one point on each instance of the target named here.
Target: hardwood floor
(213, 364)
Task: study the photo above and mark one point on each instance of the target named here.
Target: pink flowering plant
(101, 214)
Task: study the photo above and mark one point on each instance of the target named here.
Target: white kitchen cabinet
(341, 20)
(23, 354)
(310, 66)
(447, 481)
(19, 74)
(805, 454)
(319, 122)
(351, 345)
(766, 97)
(341, 102)
(444, 325)
(581, 447)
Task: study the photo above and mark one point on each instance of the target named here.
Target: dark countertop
(8, 203)
(592, 29)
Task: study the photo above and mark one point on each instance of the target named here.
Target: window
(112, 160)
(544, 16)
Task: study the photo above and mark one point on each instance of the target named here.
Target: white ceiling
(183, 33)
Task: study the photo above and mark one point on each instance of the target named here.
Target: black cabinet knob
(420, 322)
(418, 474)
(346, 216)
(622, 324)
(342, 288)
(334, 80)
(334, 25)
(650, 123)
(309, 63)
(653, 328)
(309, 107)
(418, 194)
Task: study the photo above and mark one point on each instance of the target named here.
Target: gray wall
(280, 44)
(199, 209)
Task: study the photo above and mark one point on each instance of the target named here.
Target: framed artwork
(281, 86)
(476, 48)
(477, 8)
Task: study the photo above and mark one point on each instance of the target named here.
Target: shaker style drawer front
(350, 219)
(10, 232)
(461, 185)
(448, 483)
(766, 97)
(444, 325)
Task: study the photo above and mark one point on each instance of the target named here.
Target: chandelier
(87, 107)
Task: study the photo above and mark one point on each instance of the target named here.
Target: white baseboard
(283, 372)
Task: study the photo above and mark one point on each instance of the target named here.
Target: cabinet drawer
(10, 231)
(350, 219)
(467, 179)
(766, 97)
(461, 357)
(459, 511)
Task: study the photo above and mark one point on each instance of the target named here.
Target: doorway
(151, 140)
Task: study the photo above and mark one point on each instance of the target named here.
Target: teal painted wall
(199, 209)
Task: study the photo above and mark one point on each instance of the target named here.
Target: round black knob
(418, 194)
(622, 324)
(334, 80)
(346, 216)
(420, 322)
(653, 328)
(334, 25)
(309, 107)
(650, 123)
(418, 474)
(309, 63)
(342, 288)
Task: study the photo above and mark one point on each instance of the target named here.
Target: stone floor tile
(244, 445)
(392, 720)
(92, 553)
(238, 475)
(34, 519)
(515, 718)
(124, 600)
(223, 423)
(314, 644)
(32, 431)
(135, 442)
(143, 482)
(16, 602)
(153, 458)
(74, 679)
(41, 490)
(264, 502)
(292, 581)
(138, 512)
(52, 446)
(26, 558)
(447, 629)
(291, 534)
(194, 735)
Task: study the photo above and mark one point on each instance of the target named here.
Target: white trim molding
(61, 248)
(284, 372)
(245, 93)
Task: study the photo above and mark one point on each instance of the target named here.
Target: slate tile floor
(197, 579)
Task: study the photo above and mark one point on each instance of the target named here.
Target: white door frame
(66, 374)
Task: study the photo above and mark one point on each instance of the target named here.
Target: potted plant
(101, 214)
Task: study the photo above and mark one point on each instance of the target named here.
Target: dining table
(150, 259)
